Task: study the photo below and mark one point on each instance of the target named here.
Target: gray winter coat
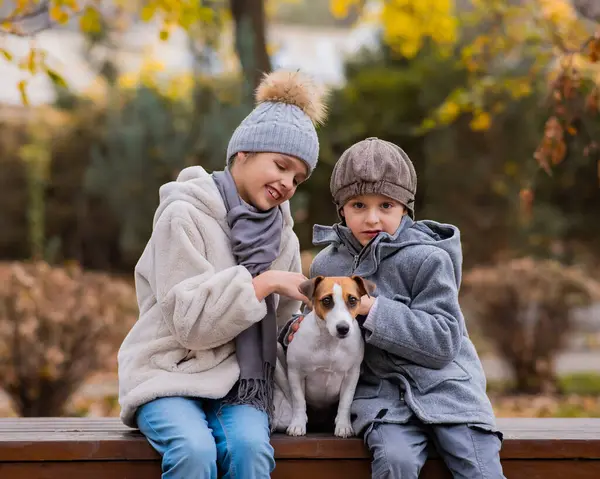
(418, 354)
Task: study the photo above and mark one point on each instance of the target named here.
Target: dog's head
(336, 300)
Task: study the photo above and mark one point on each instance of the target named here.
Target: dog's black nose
(342, 329)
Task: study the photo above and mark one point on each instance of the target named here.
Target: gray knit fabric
(279, 128)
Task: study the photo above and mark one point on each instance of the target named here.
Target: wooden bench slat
(95, 448)
(106, 439)
(521, 428)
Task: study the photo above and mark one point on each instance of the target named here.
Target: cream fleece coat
(193, 299)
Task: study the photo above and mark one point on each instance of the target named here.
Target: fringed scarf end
(257, 393)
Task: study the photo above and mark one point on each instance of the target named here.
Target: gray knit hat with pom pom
(289, 106)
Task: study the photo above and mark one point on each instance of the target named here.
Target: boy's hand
(294, 327)
(366, 303)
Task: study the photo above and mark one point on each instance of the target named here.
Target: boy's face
(266, 180)
(369, 215)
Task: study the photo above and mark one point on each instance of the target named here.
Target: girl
(195, 372)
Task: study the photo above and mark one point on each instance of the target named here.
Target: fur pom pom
(293, 88)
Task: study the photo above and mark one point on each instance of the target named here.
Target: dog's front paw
(343, 426)
(344, 429)
(296, 428)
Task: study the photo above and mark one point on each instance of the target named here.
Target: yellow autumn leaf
(426, 125)
(55, 78)
(22, 5)
(58, 14)
(128, 81)
(170, 5)
(481, 121)
(520, 88)
(22, 90)
(90, 21)
(6, 54)
(557, 11)
(148, 11)
(448, 112)
(164, 34)
(407, 23)
(187, 17)
(72, 4)
(31, 63)
(339, 8)
(206, 15)
(272, 49)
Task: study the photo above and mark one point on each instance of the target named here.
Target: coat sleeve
(203, 308)
(427, 328)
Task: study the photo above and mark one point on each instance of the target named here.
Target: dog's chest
(324, 379)
(324, 361)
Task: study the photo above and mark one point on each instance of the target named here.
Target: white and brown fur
(323, 360)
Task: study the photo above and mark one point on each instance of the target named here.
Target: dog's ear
(364, 285)
(308, 287)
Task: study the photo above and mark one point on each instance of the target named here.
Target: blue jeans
(196, 439)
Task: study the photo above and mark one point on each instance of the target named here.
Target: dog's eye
(352, 301)
(327, 301)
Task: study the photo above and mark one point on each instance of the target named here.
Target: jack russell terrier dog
(323, 361)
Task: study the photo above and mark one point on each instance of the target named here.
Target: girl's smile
(266, 180)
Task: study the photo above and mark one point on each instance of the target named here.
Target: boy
(422, 379)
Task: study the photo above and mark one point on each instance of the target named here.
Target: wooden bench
(49, 448)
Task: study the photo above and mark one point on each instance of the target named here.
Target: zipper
(355, 263)
(360, 254)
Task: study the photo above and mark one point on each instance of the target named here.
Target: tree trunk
(41, 398)
(535, 376)
(250, 38)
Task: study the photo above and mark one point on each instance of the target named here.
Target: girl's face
(266, 180)
(369, 215)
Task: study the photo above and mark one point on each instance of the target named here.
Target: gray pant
(400, 450)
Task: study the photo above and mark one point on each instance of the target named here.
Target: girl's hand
(366, 303)
(283, 283)
(288, 284)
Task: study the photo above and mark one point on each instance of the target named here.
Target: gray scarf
(255, 242)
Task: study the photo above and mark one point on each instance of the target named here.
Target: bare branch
(12, 24)
(31, 33)
(42, 8)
